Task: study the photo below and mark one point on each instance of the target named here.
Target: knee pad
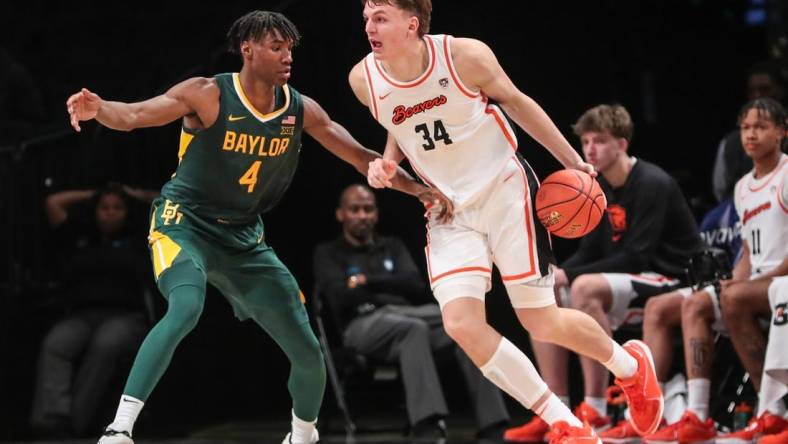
(459, 287)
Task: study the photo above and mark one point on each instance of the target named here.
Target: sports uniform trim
(163, 252)
(459, 270)
(371, 90)
(528, 229)
(424, 76)
(771, 176)
(654, 278)
(493, 111)
(450, 65)
(248, 104)
(783, 205)
(186, 139)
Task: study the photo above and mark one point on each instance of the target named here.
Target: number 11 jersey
(762, 205)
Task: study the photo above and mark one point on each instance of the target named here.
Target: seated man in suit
(375, 287)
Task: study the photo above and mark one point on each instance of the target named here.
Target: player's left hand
(585, 167)
(434, 200)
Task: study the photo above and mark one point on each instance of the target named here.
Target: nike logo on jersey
(233, 118)
(384, 95)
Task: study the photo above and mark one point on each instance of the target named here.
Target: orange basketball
(570, 203)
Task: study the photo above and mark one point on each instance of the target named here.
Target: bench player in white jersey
(761, 199)
(431, 93)
(734, 307)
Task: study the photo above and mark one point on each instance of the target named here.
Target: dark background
(678, 66)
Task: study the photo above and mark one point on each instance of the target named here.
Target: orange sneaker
(777, 438)
(687, 430)
(766, 424)
(642, 390)
(563, 433)
(623, 433)
(586, 413)
(532, 431)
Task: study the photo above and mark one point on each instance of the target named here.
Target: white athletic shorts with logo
(498, 226)
(776, 361)
(630, 293)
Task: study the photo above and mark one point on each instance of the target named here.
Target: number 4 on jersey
(250, 176)
(439, 133)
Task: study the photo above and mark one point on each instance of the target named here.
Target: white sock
(621, 363)
(514, 373)
(128, 410)
(698, 402)
(302, 430)
(564, 399)
(554, 410)
(599, 404)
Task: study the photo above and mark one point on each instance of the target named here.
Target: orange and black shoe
(642, 390)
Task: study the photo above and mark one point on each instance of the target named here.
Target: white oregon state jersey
(762, 205)
(453, 138)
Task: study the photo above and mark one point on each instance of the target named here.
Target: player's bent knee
(698, 305)
(587, 285)
(733, 299)
(657, 311)
(462, 327)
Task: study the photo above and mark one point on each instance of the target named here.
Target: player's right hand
(83, 105)
(585, 167)
(380, 173)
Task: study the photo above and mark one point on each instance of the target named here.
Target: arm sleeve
(642, 237)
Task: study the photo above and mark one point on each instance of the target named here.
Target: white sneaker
(315, 438)
(115, 437)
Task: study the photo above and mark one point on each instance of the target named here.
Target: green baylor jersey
(242, 165)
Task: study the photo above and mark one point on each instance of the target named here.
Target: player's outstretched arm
(478, 68)
(336, 139)
(192, 96)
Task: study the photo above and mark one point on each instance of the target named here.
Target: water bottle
(741, 415)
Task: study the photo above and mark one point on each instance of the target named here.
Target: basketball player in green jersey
(239, 147)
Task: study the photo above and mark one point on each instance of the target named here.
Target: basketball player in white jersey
(761, 199)
(431, 93)
(742, 300)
